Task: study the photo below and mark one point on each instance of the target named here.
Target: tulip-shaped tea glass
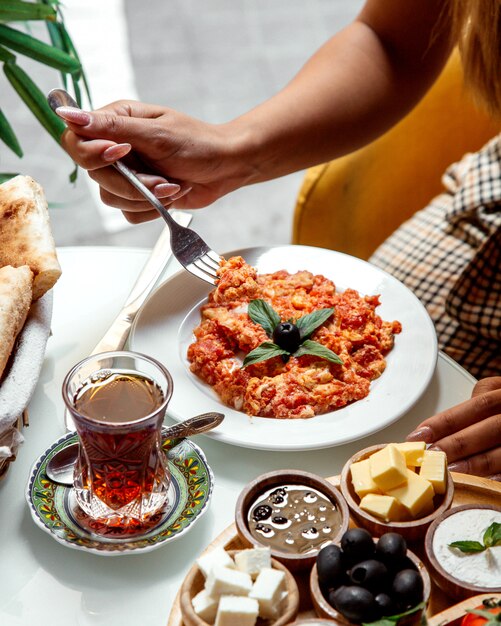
(118, 401)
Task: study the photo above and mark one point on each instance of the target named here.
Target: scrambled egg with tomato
(304, 386)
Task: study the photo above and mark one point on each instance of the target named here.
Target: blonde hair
(476, 27)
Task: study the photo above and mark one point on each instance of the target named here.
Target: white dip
(482, 569)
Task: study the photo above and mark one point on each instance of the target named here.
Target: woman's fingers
(484, 464)
(459, 417)
(485, 385)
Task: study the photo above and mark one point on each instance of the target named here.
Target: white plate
(163, 329)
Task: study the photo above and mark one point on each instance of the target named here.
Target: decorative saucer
(54, 508)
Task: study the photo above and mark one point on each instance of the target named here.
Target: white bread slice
(15, 300)
(25, 234)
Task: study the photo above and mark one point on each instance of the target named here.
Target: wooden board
(467, 490)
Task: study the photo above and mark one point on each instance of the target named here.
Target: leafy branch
(60, 55)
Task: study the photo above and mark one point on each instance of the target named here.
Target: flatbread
(25, 234)
(15, 300)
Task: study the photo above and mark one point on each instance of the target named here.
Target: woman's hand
(469, 433)
(176, 156)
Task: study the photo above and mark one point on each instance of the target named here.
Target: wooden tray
(467, 490)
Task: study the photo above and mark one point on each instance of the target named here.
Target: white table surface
(43, 581)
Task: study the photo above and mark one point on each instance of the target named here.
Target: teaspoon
(60, 467)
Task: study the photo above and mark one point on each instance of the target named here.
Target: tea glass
(121, 475)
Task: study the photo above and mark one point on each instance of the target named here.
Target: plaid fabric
(449, 255)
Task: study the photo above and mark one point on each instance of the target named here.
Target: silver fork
(187, 246)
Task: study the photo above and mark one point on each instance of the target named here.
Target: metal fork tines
(187, 246)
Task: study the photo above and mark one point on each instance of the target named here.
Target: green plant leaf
(5, 176)
(16, 10)
(57, 42)
(263, 314)
(74, 174)
(390, 621)
(6, 55)
(468, 546)
(34, 100)
(267, 350)
(317, 349)
(37, 50)
(308, 323)
(8, 136)
(492, 535)
(70, 49)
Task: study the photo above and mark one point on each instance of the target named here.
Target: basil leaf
(492, 535)
(263, 314)
(386, 621)
(468, 546)
(265, 351)
(317, 349)
(308, 323)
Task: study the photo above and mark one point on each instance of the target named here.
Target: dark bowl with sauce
(293, 512)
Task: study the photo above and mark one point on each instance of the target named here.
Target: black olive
(391, 549)
(385, 605)
(357, 544)
(330, 566)
(407, 588)
(371, 574)
(261, 512)
(355, 603)
(287, 336)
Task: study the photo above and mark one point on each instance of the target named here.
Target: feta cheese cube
(267, 590)
(218, 556)
(225, 581)
(205, 606)
(253, 561)
(235, 610)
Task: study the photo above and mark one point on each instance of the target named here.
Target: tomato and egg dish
(296, 387)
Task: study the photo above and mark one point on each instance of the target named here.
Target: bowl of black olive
(362, 579)
(294, 513)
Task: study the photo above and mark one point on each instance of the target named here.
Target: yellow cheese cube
(388, 468)
(383, 507)
(416, 495)
(361, 479)
(413, 452)
(434, 469)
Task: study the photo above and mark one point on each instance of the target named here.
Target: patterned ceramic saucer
(54, 508)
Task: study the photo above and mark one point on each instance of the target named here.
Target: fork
(187, 246)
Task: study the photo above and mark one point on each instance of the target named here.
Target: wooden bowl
(195, 581)
(314, 621)
(413, 530)
(324, 609)
(265, 482)
(451, 585)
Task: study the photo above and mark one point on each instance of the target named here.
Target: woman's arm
(360, 83)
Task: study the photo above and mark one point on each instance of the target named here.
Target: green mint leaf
(263, 314)
(468, 546)
(317, 349)
(492, 535)
(390, 620)
(267, 350)
(308, 323)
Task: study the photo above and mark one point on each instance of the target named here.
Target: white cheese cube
(267, 590)
(225, 581)
(235, 610)
(253, 561)
(205, 606)
(218, 556)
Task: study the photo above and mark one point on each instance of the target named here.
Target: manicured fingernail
(117, 151)
(458, 466)
(495, 477)
(421, 434)
(181, 194)
(73, 115)
(165, 190)
(435, 449)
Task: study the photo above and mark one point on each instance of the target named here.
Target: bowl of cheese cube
(400, 487)
(244, 587)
